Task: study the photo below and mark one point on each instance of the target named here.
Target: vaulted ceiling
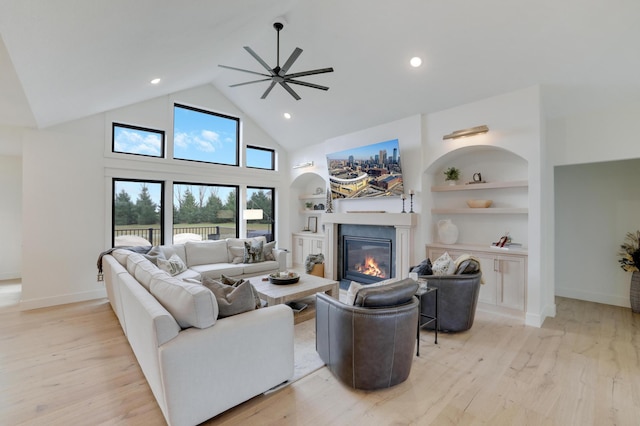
(66, 59)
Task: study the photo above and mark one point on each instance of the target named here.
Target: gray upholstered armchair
(457, 300)
(369, 345)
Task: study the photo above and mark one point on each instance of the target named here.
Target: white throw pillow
(174, 265)
(444, 265)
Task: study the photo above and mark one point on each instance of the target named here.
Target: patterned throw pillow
(174, 265)
(253, 251)
(235, 282)
(424, 268)
(444, 265)
(268, 251)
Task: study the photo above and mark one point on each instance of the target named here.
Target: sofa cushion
(257, 268)
(145, 272)
(132, 262)
(121, 256)
(444, 265)
(170, 250)
(173, 266)
(205, 252)
(192, 305)
(394, 294)
(237, 254)
(231, 300)
(155, 253)
(215, 270)
(253, 252)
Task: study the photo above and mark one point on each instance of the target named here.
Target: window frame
(236, 187)
(162, 134)
(259, 148)
(217, 114)
(113, 205)
(273, 206)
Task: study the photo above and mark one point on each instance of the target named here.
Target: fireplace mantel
(402, 222)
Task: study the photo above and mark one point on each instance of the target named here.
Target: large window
(128, 139)
(202, 212)
(204, 136)
(260, 212)
(137, 212)
(260, 158)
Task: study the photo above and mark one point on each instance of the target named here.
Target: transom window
(136, 140)
(260, 158)
(205, 136)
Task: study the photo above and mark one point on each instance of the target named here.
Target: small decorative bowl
(290, 278)
(479, 204)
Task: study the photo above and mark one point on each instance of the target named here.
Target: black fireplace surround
(366, 253)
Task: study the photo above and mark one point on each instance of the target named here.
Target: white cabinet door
(511, 282)
(488, 290)
(297, 251)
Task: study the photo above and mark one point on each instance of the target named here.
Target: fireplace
(366, 254)
(366, 260)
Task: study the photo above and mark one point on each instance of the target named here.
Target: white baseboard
(10, 276)
(589, 296)
(45, 302)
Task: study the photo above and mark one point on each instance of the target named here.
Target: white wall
(66, 194)
(408, 133)
(10, 216)
(515, 123)
(596, 201)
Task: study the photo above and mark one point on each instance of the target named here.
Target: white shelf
(311, 211)
(489, 210)
(312, 196)
(488, 185)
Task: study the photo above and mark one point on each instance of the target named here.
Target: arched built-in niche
(308, 187)
(505, 174)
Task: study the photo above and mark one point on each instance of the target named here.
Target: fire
(370, 267)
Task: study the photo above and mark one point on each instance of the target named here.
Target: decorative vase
(447, 231)
(452, 182)
(634, 292)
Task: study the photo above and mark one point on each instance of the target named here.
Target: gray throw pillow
(235, 282)
(231, 300)
(253, 251)
(154, 254)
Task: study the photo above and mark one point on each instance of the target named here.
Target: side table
(421, 292)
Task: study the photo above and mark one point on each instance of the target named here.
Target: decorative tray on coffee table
(290, 278)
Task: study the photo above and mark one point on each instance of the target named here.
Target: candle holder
(403, 198)
(411, 196)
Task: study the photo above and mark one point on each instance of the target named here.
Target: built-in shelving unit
(477, 186)
(485, 185)
(311, 198)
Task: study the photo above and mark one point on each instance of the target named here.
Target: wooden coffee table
(307, 286)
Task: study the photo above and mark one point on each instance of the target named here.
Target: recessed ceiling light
(415, 62)
(287, 115)
(155, 81)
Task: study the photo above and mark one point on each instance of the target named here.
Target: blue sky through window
(203, 136)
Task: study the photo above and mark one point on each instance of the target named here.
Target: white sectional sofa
(197, 365)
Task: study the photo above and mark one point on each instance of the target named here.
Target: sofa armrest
(281, 257)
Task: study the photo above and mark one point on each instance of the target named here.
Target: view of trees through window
(137, 212)
(208, 211)
(260, 201)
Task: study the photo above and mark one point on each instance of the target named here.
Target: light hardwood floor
(71, 365)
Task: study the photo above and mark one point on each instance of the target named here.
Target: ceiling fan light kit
(278, 75)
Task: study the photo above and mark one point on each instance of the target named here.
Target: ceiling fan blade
(243, 70)
(290, 90)
(290, 62)
(266, 92)
(250, 82)
(259, 59)
(312, 72)
(304, 83)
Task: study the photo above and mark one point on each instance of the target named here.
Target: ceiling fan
(278, 75)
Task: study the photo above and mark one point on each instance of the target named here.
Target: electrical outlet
(100, 277)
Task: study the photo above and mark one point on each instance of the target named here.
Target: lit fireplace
(366, 259)
(371, 267)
